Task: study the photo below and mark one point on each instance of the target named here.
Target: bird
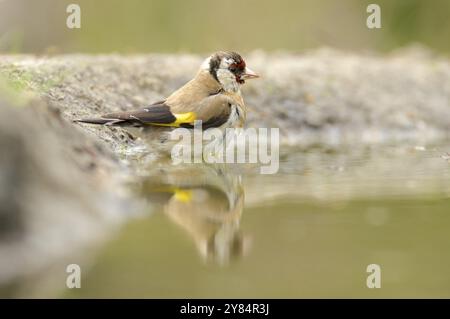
(213, 97)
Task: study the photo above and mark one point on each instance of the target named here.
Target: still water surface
(308, 231)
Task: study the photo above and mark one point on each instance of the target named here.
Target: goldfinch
(212, 96)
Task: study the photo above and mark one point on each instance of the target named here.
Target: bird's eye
(233, 67)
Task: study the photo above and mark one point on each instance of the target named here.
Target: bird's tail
(100, 121)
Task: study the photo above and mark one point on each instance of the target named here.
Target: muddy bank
(323, 95)
(60, 192)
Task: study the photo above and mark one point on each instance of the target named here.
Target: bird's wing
(213, 110)
(158, 114)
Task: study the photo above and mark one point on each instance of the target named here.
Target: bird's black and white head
(229, 69)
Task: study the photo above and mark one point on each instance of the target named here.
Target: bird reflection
(205, 200)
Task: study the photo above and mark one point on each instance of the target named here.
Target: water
(309, 231)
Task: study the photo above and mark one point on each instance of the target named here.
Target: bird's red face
(229, 69)
(240, 70)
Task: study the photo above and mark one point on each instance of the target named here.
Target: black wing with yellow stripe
(158, 114)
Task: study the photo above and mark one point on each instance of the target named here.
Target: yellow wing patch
(182, 195)
(182, 118)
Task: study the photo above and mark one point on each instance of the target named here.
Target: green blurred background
(39, 26)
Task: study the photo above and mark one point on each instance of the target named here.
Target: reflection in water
(315, 225)
(205, 200)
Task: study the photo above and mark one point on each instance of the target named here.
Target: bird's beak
(249, 74)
